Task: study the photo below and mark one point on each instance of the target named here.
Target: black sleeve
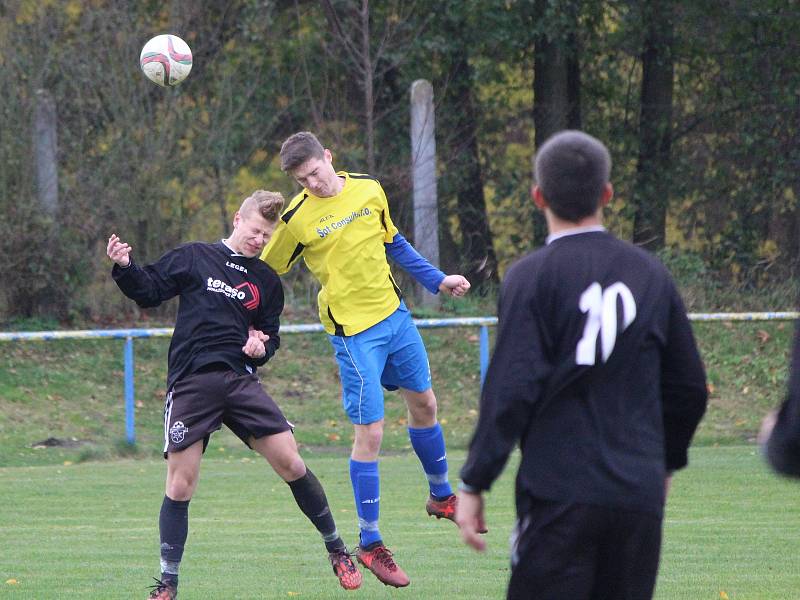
(512, 387)
(684, 392)
(783, 446)
(268, 318)
(153, 284)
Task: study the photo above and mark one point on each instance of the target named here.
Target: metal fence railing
(482, 322)
(130, 334)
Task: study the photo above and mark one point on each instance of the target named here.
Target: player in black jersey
(227, 326)
(596, 375)
(780, 433)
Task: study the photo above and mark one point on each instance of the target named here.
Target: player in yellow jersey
(340, 225)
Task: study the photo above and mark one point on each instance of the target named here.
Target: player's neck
(557, 225)
(231, 243)
(340, 181)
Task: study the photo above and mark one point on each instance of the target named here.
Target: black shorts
(583, 552)
(200, 403)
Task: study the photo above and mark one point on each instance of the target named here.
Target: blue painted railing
(483, 322)
(129, 334)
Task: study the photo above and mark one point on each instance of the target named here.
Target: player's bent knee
(281, 453)
(421, 405)
(290, 468)
(181, 488)
(425, 399)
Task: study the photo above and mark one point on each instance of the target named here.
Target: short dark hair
(298, 148)
(572, 169)
(267, 204)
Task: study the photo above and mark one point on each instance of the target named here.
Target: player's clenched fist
(455, 285)
(118, 251)
(255, 345)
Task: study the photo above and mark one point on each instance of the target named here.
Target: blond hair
(268, 204)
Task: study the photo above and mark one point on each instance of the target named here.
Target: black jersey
(783, 447)
(222, 294)
(595, 372)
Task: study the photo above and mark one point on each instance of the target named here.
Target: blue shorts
(389, 354)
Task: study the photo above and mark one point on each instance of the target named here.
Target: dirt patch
(52, 442)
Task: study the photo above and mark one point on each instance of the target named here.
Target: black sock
(310, 497)
(173, 525)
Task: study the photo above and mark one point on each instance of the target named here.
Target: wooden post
(45, 150)
(423, 168)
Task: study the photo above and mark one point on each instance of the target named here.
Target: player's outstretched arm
(684, 390)
(118, 251)
(149, 285)
(455, 285)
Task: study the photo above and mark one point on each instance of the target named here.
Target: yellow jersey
(341, 239)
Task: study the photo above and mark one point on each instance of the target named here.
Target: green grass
(747, 367)
(90, 530)
(82, 522)
(74, 389)
(731, 526)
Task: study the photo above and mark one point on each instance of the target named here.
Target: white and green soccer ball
(166, 60)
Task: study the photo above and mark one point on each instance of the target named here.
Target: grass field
(81, 522)
(73, 390)
(90, 531)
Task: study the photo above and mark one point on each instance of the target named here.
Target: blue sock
(428, 443)
(367, 493)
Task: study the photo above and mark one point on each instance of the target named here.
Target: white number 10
(601, 306)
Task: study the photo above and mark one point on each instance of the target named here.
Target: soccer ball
(166, 60)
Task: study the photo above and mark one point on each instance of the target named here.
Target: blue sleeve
(414, 263)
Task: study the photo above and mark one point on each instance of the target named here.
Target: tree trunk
(556, 82)
(651, 191)
(46, 150)
(369, 99)
(478, 259)
(556, 85)
(784, 210)
(357, 48)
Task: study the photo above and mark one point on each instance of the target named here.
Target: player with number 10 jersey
(605, 337)
(596, 374)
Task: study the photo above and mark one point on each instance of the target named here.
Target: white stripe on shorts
(167, 417)
(355, 366)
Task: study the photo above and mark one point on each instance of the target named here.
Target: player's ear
(538, 197)
(328, 155)
(608, 193)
